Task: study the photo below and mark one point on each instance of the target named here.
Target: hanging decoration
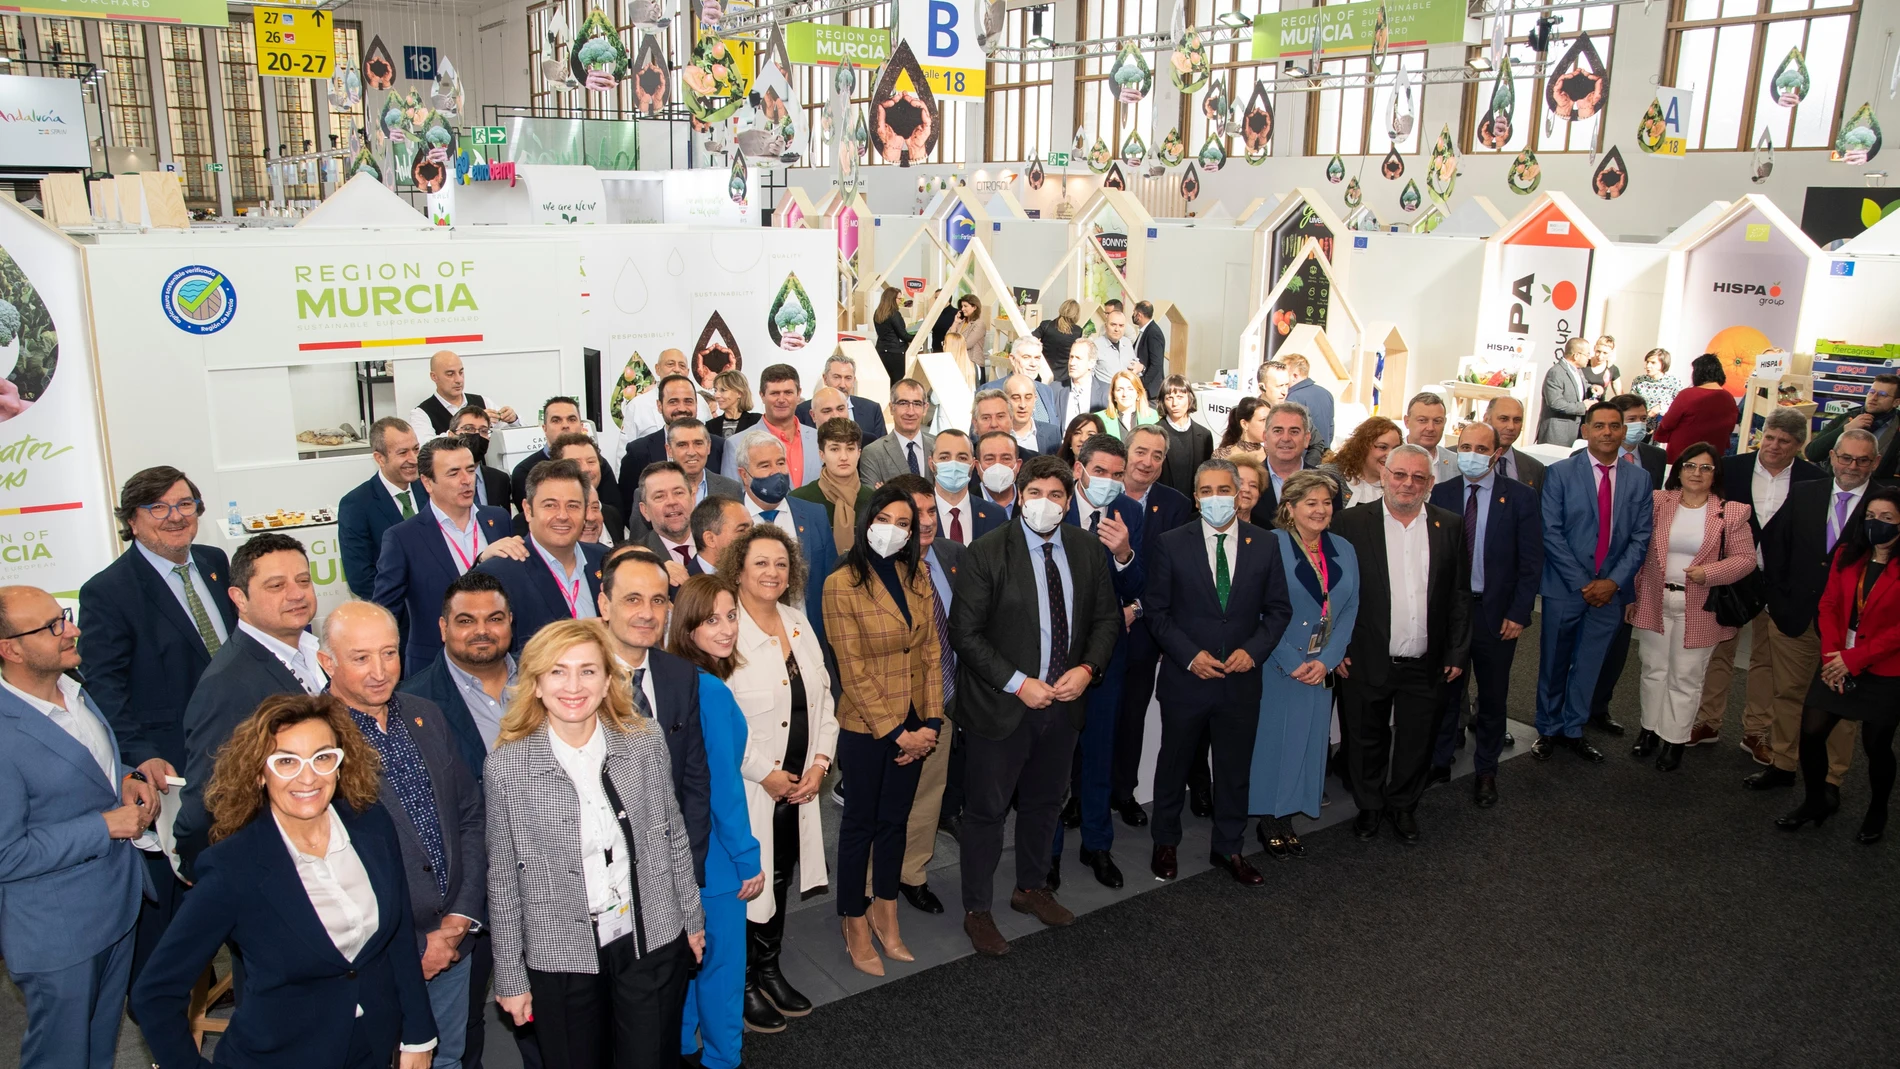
(736, 186)
(379, 71)
(1363, 220)
(1034, 174)
(1212, 156)
(1409, 197)
(1761, 162)
(1100, 157)
(1354, 195)
(1525, 173)
(346, 87)
(1393, 166)
(1400, 116)
(1172, 149)
(1611, 179)
(903, 111)
(650, 83)
(1791, 79)
(647, 16)
(1336, 170)
(1189, 65)
(775, 126)
(1164, 111)
(710, 12)
(709, 82)
(989, 36)
(1115, 179)
(1133, 150)
(1441, 171)
(1860, 137)
(1495, 128)
(435, 145)
(598, 60)
(1190, 184)
(1381, 38)
(716, 351)
(1652, 128)
(1217, 109)
(1131, 74)
(1577, 86)
(836, 118)
(1256, 125)
(447, 93)
(861, 136)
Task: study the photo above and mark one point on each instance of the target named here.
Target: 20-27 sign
(293, 43)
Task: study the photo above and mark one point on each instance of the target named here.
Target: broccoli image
(9, 322)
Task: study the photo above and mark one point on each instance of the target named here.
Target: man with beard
(666, 503)
(643, 415)
(678, 401)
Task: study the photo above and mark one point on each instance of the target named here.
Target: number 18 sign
(942, 35)
(294, 44)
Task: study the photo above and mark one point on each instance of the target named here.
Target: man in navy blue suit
(1595, 538)
(962, 516)
(1163, 509)
(560, 578)
(384, 500)
(763, 472)
(1505, 542)
(998, 460)
(151, 622)
(1107, 514)
(841, 374)
(678, 401)
(422, 555)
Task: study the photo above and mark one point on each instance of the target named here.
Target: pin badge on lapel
(418, 721)
(214, 575)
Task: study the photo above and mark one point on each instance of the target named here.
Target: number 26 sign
(293, 43)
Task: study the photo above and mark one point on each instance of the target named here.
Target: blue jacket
(298, 1007)
(1319, 408)
(413, 570)
(435, 683)
(1304, 597)
(736, 857)
(1184, 613)
(1127, 581)
(361, 518)
(1049, 398)
(142, 653)
(67, 889)
(533, 594)
(821, 556)
(1570, 529)
(1513, 548)
(651, 448)
(866, 413)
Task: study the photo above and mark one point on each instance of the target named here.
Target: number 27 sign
(293, 43)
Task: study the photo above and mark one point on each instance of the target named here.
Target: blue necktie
(769, 515)
(913, 459)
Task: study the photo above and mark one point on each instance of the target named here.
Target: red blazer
(1877, 643)
(1699, 627)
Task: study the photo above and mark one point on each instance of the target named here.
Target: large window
(544, 98)
(1234, 70)
(1017, 109)
(61, 40)
(1101, 115)
(244, 140)
(128, 83)
(1530, 114)
(1731, 51)
(344, 121)
(181, 49)
(12, 40)
(1350, 117)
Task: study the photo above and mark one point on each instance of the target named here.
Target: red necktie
(686, 556)
(956, 525)
(1603, 514)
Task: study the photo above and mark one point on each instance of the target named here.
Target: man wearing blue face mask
(963, 517)
(762, 471)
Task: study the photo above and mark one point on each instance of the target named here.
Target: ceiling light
(1293, 69)
(1480, 63)
(1236, 19)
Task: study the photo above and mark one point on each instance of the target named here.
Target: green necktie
(408, 509)
(199, 616)
(1222, 581)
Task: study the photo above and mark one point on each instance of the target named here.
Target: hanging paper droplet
(792, 317)
(1652, 128)
(1114, 179)
(1189, 64)
(1525, 173)
(650, 82)
(1400, 116)
(1256, 125)
(1133, 151)
(1612, 177)
(1494, 130)
(1408, 197)
(1212, 155)
(1381, 37)
(635, 379)
(1576, 88)
(716, 351)
(1190, 184)
(710, 81)
(1393, 166)
(1173, 150)
(379, 71)
(1791, 79)
(1214, 105)
(346, 87)
(646, 15)
(1099, 157)
(1132, 76)
(1441, 172)
(861, 136)
(1761, 162)
(1336, 170)
(1034, 174)
(736, 187)
(904, 121)
(598, 60)
(1860, 137)
(1354, 195)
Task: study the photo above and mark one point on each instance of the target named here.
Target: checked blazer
(537, 902)
(1723, 521)
(886, 668)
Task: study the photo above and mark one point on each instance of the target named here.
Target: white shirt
(964, 517)
(783, 521)
(1685, 541)
(645, 668)
(1025, 438)
(465, 543)
(1408, 562)
(76, 720)
(338, 887)
(1078, 401)
(177, 588)
(1358, 493)
(641, 416)
(1180, 427)
(1769, 492)
(609, 883)
(301, 659)
(1207, 535)
(419, 420)
(904, 446)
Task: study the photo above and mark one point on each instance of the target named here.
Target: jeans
(448, 998)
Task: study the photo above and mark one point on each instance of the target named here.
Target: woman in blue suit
(705, 629)
(1296, 699)
(313, 896)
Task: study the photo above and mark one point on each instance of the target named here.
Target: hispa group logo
(199, 299)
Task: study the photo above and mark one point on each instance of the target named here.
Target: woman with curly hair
(1360, 463)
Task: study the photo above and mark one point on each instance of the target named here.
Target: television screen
(42, 123)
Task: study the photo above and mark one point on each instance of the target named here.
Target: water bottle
(235, 518)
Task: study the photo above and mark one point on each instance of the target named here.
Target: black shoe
(1275, 844)
(1585, 750)
(773, 985)
(1510, 740)
(1293, 844)
(1102, 863)
(952, 823)
(1366, 824)
(1768, 779)
(1406, 824)
(1055, 875)
(1646, 743)
(1200, 801)
(1803, 813)
(1872, 827)
(1544, 747)
(1072, 813)
(760, 1014)
(1485, 794)
(921, 897)
(1438, 774)
(1236, 866)
(1132, 814)
(1670, 758)
(1606, 725)
(1831, 794)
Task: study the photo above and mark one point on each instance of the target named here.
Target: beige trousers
(1792, 662)
(1720, 677)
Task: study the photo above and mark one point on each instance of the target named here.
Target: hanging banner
(1741, 294)
(1350, 29)
(175, 12)
(942, 35)
(815, 42)
(1663, 130)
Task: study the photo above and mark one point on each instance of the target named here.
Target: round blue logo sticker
(199, 299)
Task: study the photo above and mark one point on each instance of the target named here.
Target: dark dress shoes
(1606, 725)
(1768, 779)
(1669, 758)
(1102, 863)
(1485, 793)
(1646, 743)
(1510, 740)
(952, 823)
(1406, 824)
(1872, 827)
(984, 938)
(1584, 750)
(1274, 842)
(1438, 774)
(1366, 824)
(760, 1014)
(1804, 813)
(1200, 801)
(1072, 813)
(1042, 905)
(1544, 747)
(921, 897)
(1164, 865)
(1132, 814)
(1294, 846)
(1237, 867)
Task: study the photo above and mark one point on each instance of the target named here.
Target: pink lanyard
(573, 599)
(1318, 561)
(474, 543)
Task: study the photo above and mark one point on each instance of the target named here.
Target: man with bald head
(438, 410)
(1030, 433)
(829, 403)
(432, 797)
(1506, 416)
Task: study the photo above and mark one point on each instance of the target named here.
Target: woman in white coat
(783, 688)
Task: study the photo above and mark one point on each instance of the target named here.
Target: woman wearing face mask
(1705, 412)
(880, 617)
(1296, 700)
(1189, 442)
(1859, 678)
(1700, 541)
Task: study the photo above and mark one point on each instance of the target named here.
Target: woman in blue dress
(705, 629)
(1296, 699)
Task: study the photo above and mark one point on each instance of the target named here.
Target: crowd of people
(565, 749)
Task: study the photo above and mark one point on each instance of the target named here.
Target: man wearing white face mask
(964, 516)
(997, 463)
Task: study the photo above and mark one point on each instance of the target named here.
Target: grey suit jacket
(1561, 421)
(458, 809)
(884, 459)
(538, 915)
(720, 486)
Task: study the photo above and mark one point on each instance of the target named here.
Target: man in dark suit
(763, 471)
(1289, 430)
(716, 521)
(1034, 621)
(1026, 358)
(430, 796)
(1654, 461)
(586, 455)
(1506, 416)
(384, 500)
(1561, 421)
(1412, 637)
(1217, 604)
(939, 798)
(1031, 433)
(561, 576)
(1797, 548)
(678, 400)
(666, 504)
(1151, 351)
(422, 555)
(150, 623)
(1504, 551)
(1318, 401)
(559, 416)
(962, 516)
(493, 487)
(998, 461)
(1086, 393)
(841, 374)
(827, 404)
(269, 653)
(1876, 416)
(1101, 509)
(1761, 480)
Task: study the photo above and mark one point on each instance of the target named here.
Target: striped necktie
(199, 617)
(944, 652)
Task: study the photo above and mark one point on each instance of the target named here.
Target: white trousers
(1672, 676)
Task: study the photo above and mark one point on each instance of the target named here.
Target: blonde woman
(580, 784)
(1128, 406)
(732, 396)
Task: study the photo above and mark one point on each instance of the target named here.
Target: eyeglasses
(1841, 459)
(907, 404)
(57, 626)
(479, 432)
(1401, 477)
(160, 511)
(1698, 469)
(324, 762)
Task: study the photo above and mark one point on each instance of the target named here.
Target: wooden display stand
(1763, 395)
(1382, 391)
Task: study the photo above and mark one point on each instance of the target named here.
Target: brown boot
(883, 916)
(857, 943)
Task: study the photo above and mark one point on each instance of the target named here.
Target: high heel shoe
(857, 943)
(1803, 813)
(883, 916)
(1872, 827)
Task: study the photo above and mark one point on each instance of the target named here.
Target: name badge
(613, 924)
(1315, 643)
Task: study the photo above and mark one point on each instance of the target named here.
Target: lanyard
(1317, 558)
(1861, 590)
(467, 561)
(573, 597)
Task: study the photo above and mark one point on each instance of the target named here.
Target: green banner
(1347, 29)
(177, 12)
(814, 42)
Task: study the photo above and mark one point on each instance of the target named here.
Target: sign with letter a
(942, 35)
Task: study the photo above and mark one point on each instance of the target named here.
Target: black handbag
(1741, 601)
